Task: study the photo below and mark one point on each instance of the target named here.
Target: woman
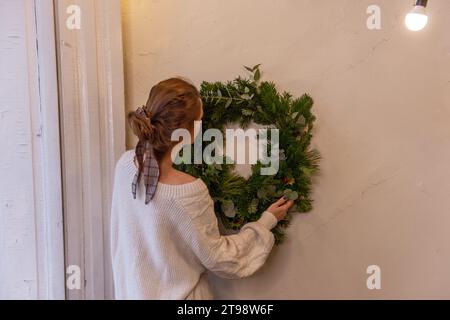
(165, 233)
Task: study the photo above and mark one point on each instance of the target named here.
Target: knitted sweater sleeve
(232, 256)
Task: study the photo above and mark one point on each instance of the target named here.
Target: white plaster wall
(383, 107)
(31, 243)
(18, 278)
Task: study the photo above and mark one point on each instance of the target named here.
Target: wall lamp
(417, 18)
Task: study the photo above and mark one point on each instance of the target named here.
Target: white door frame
(92, 115)
(49, 221)
(31, 220)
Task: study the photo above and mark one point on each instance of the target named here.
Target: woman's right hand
(280, 208)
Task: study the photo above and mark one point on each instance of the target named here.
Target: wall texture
(383, 107)
(31, 237)
(18, 266)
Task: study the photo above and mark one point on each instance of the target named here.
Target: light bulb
(417, 18)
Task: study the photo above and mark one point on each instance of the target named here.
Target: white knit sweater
(162, 250)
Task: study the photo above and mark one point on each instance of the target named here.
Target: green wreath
(247, 100)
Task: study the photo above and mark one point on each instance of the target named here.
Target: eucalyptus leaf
(253, 207)
(228, 103)
(261, 193)
(293, 196)
(256, 67)
(229, 209)
(307, 171)
(257, 76)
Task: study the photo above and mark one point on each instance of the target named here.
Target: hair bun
(140, 123)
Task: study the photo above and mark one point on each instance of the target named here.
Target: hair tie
(148, 165)
(141, 112)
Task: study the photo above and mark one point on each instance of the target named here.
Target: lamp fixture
(417, 18)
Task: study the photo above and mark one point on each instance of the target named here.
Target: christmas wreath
(250, 100)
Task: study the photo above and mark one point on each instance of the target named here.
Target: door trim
(93, 136)
(49, 218)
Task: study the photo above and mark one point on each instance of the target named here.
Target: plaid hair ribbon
(148, 166)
